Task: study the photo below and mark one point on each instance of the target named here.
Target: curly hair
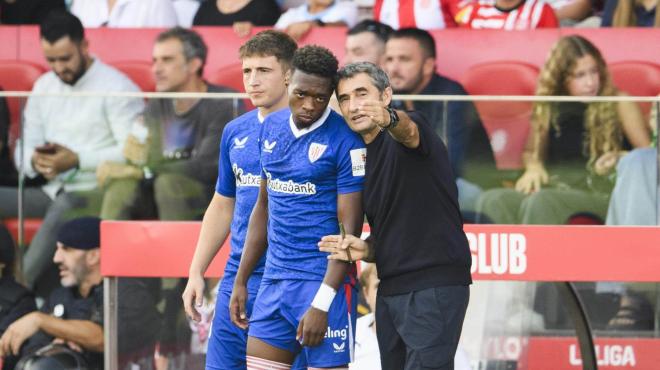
(602, 124)
(316, 60)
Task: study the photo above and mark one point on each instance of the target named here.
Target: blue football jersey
(305, 170)
(239, 176)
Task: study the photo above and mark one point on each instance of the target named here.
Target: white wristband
(324, 297)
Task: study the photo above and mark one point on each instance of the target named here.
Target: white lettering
(290, 187)
(498, 253)
(606, 355)
(336, 333)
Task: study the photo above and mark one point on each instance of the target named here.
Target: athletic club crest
(315, 151)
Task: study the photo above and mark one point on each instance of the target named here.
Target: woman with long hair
(573, 147)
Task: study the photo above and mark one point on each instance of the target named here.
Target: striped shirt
(529, 14)
(424, 14)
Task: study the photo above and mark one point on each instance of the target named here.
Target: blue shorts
(281, 304)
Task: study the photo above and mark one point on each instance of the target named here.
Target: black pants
(420, 330)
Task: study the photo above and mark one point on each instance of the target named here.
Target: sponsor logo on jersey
(359, 161)
(290, 187)
(240, 143)
(245, 178)
(315, 152)
(268, 146)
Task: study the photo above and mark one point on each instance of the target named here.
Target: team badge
(316, 150)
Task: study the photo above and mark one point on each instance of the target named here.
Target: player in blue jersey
(266, 59)
(312, 175)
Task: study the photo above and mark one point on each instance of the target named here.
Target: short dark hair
(378, 76)
(316, 60)
(381, 30)
(59, 24)
(193, 44)
(423, 37)
(270, 43)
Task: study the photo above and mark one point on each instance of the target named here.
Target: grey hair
(378, 76)
(192, 42)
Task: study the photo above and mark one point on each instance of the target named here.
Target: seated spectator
(177, 154)
(571, 12)
(365, 42)
(125, 13)
(241, 14)
(66, 138)
(27, 11)
(73, 314)
(506, 15)
(427, 15)
(579, 142)
(317, 13)
(15, 299)
(631, 13)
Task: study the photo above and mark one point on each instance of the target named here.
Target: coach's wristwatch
(394, 118)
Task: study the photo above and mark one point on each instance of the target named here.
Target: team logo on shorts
(316, 150)
(240, 143)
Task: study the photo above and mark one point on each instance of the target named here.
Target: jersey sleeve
(351, 163)
(226, 184)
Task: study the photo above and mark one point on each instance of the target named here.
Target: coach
(417, 238)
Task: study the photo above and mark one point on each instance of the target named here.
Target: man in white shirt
(65, 138)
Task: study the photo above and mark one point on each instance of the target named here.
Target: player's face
(308, 97)
(351, 93)
(584, 80)
(72, 265)
(404, 64)
(364, 47)
(264, 80)
(169, 66)
(66, 58)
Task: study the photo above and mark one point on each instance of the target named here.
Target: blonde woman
(631, 13)
(572, 148)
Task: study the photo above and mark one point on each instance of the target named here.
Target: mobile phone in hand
(45, 149)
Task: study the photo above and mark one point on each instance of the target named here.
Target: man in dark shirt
(417, 238)
(175, 147)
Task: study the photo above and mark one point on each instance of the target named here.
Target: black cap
(81, 233)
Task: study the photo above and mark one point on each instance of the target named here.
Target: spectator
(427, 15)
(66, 138)
(365, 42)
(73, 314)
(507, 15)
(410, 64)
(571, 12)
(27, 11)
(297, 22)
(185, 11)
(631, 13)
(15, 300)
(241, 14)
(569, 138)
(125, 13)
(179, 154)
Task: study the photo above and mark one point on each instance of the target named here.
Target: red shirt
(529, 14)
(424, 14)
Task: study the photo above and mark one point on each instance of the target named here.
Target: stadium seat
(232, 77)
(507, 123)
(17, 76)
(31, 225)
(139, 72)
(637, 78)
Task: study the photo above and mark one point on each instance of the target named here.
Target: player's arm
(254, 248)
(314, 324)
(214, 231)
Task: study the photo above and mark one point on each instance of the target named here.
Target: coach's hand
(193, 296)
(337, 247)
(312, 327)
(237, 304)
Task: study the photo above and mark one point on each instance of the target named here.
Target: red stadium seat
(17, 76)
(230, 76)
(507, 123)
(139, 72)
(637, 78)
(31, 225)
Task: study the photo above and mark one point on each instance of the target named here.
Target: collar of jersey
(300, 132)
(260, 117)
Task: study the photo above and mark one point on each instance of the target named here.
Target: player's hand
(312, 327)
(18, 332)
(336, 246)
(237, 306)
(107, 171)
(193, 296)
(531, 181)
(298, 30)
(607, 162)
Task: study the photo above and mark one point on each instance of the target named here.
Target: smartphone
(45, 149)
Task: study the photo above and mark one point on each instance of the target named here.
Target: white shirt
(95, 128)
(367, 355)
(125, 13)
(340, 11)
(185, 11)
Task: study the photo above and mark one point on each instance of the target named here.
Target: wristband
(324, 297)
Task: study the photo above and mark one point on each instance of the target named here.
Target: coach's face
(308, 97)
(354, 94)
